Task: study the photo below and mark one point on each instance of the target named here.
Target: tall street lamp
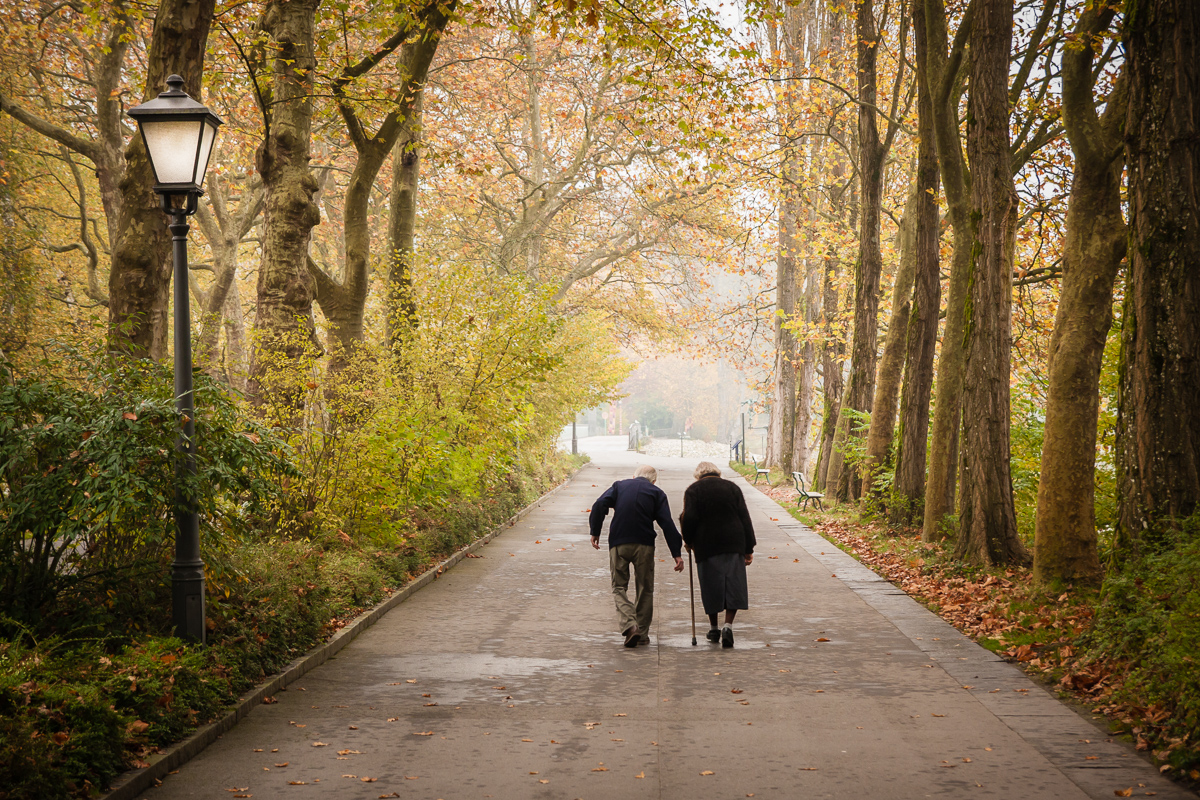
(179, 133)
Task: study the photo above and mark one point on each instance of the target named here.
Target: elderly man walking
(637, 504)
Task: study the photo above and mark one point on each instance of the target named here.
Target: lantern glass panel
(172, 145)
(207, 137)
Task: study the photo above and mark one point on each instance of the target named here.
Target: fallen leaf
(599, 769)
(1124, 792)
(542, 780)
(410, 680)
(707, 772)
(319, 744)
(422, 733)
(640, 775)
(529, 740)
(297, 783)
(349, 752)
(808, 769)
(365, 779)
(937, 715)
(284, 764)
(822, 639)
(620, 715)
(269, 700)
(735, 691)
(355, 727)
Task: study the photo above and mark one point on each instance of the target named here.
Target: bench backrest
(799, 479)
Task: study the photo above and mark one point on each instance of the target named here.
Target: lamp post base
(187, 596)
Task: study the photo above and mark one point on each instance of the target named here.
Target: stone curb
(132, 783)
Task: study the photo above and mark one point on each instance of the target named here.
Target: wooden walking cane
(692, 591)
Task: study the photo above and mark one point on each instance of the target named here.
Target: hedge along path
(134, 782)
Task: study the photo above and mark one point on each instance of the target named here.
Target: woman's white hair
(648, 472)
(706, 468)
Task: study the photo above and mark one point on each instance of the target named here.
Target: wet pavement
(506, 678)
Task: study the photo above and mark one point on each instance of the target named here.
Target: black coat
(637, 504)
(715, 519)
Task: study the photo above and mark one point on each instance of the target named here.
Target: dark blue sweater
(637, 504)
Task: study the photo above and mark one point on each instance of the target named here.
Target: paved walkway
(506, 679)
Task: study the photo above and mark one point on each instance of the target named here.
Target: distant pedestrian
(716, 527)
(637, 504)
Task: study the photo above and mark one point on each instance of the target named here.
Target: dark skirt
(723, 582)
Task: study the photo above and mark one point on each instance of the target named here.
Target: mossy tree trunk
(843, 483)
(987, 523)
(283, 328)
(402, 228)
(1158, 437)
(943, 67)
(344, 302)
(908, 485)
(139, 278)
(891, 359)
(1065, 534)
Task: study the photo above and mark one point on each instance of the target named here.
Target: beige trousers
(641, 611)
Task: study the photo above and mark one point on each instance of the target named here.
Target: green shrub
(1149, 618)
(87, 480)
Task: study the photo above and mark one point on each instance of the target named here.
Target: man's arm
(663, 517)
(600, 510)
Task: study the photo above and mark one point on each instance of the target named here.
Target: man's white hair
(646, 471)
(706, 468)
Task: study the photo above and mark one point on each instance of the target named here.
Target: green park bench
(759, 470)
(805, 494)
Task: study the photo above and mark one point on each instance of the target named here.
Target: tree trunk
(988, 524)
(908, 485)
(344, 303)
(943, 447)
(139, 279)
(237, 360)
(284, 329)
(808, 354)
(1158, 455)
(402, 227)
(224, 232)
(1065, 534)
(891, 360)
(842, 483)
(783, 410)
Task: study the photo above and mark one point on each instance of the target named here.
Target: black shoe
(727, 637)
(631, 636)
(713, 635)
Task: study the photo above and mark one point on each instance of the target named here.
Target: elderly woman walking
(716, 526)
